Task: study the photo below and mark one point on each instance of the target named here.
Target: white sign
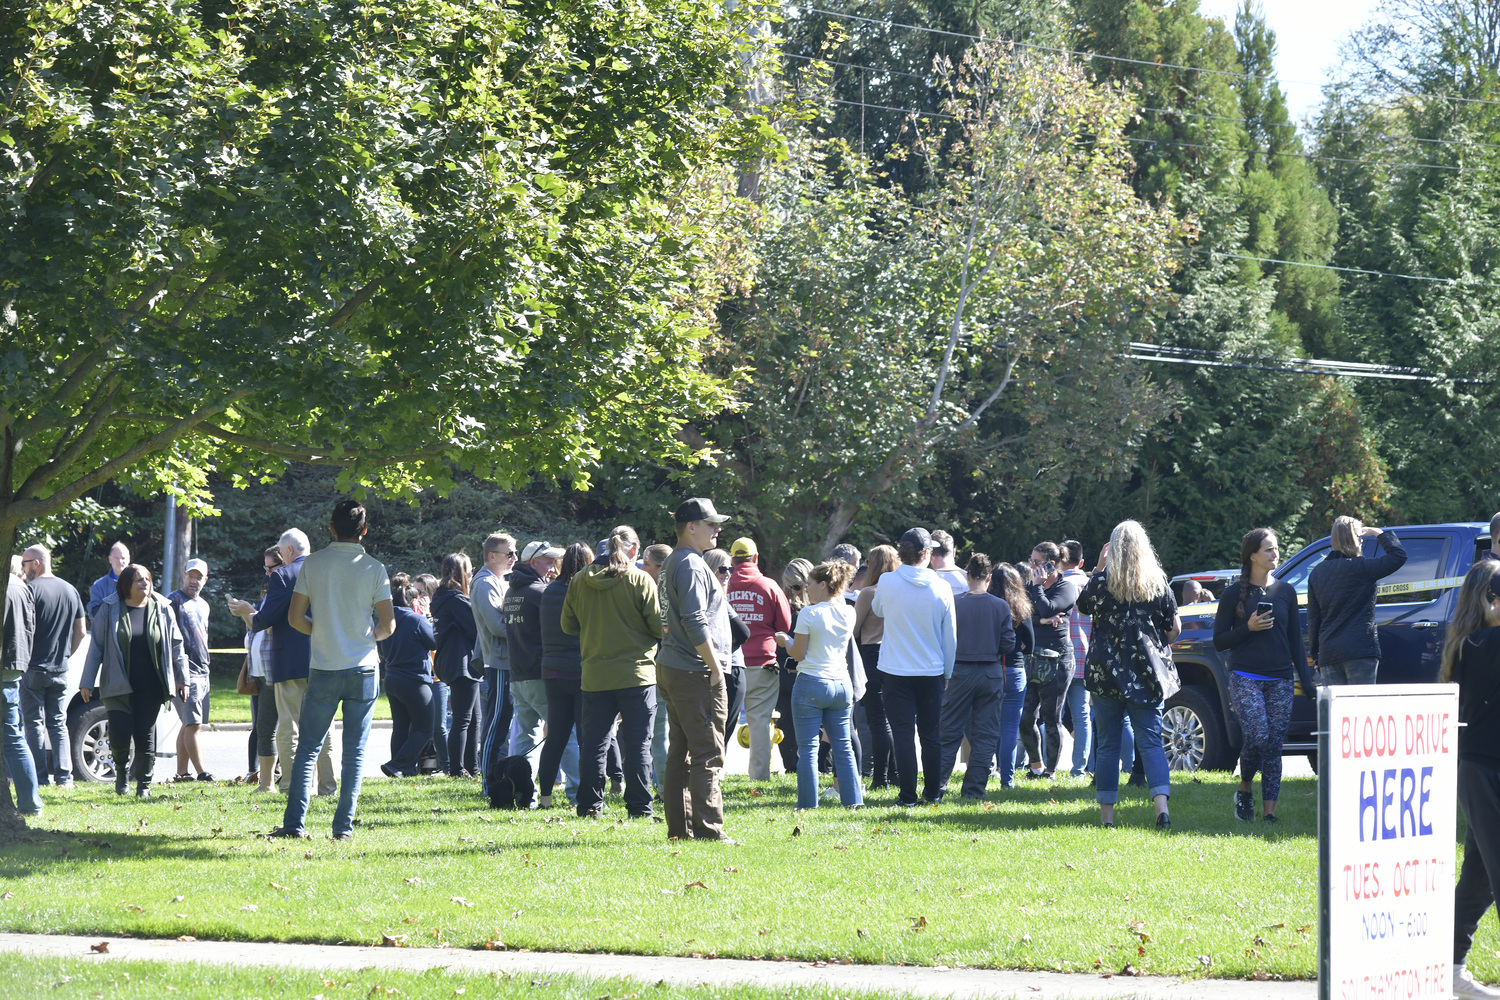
(1387, 820)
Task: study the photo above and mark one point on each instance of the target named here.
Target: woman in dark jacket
(1341, 603)
(408, 682)
(1052, 597)
(1008, 585)
(453, 625)
(562, 673)
(1471, 659)
(1133, 612)
(1260, 626)
(136, 661)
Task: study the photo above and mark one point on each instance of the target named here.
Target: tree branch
(348, 309)
(213, 278)
(83, 367)
(24, 509)
(973, 418)
(46, 472)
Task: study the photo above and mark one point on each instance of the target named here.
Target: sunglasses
(725, 571)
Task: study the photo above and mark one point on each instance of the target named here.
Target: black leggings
(410, 698)
(138, 727)
(564, 716)
(882, 759)
(1045, 700)
(264, 730)
(784, 722)
(463, 738)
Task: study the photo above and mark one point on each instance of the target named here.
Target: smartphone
(1048, 568)
(1265, 608)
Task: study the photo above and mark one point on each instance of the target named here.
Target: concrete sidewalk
(916, 981)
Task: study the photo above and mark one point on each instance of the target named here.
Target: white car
(88, 732)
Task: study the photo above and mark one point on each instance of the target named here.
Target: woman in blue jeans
(828, 674)
(1134, 612)
(1008, 585)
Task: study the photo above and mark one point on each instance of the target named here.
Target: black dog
(511, 786)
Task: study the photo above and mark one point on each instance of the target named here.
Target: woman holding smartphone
(1259, 626)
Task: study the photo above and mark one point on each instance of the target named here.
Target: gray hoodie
(921, 636)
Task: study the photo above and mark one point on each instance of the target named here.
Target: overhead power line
(1200, 358)
(1154, 64)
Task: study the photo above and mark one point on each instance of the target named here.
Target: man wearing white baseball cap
(523, 637)
(192, 619)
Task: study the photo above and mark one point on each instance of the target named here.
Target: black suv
(1198, 728)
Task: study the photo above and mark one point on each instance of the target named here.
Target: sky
(1308, 35)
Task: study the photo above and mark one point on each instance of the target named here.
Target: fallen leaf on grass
(1260, 976)
(187, 938)
(250, 908)
(861, 932)
(1205, 961)
(414, 880)
(796, 831)
(178, 899)
(307, 855)
(8, 895)
(102, 948)
(410, 920)
(694, 885)
(731, 870)
(180, 916)
(917, 923)
(392, 940)
(279, 887)
(461, 901)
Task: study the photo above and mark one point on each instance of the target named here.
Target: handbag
(246, 684)
(1160, 679)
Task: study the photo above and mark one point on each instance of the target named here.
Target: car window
(1426, 559)
(1295, 572)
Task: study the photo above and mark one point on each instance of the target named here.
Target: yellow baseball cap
(743, 547)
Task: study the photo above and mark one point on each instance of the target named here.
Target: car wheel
(1192, 731)
(92, 760)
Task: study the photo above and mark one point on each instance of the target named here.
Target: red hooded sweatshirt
(762, 606)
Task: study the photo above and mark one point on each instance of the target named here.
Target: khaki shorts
(193, 710)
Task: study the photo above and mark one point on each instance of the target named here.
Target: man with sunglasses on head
(690, 666)
(487, 593)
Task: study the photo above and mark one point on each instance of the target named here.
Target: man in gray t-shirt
(690, 675)
(348, 593)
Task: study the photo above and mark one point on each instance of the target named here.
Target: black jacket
(20, 626)
(454, 628)
(1341, 603)
(562, 654)
(1476, 671)
(1273, 652)
(523, 623)
(1054, 602)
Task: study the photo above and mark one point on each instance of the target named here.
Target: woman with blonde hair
(1341, 635)
(1471, 659)
(827, 684)
(869, 631)
(794, 581)
(1129, 670)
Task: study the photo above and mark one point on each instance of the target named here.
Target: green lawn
(228, 705)
(83, 979)
(1025, 880)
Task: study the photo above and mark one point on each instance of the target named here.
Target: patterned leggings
(1264, 709)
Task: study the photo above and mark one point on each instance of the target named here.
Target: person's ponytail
(620, 543)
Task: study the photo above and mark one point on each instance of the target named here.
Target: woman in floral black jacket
(1134, 622)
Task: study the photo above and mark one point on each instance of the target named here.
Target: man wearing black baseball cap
(690, 675)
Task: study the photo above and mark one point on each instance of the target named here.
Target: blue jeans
(1146, 721)
(659, 743)
(1083, 733)
(1012, 696)
(1348, 672)
(18, 762)
(355, 690)
(827, 704)
(440, 724)
(44, 711)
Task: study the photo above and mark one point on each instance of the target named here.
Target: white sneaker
(1464, 985)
